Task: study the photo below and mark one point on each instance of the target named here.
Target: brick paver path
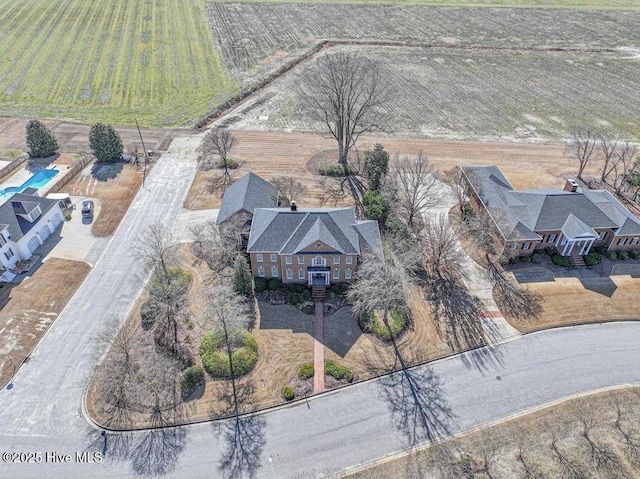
(318, 348)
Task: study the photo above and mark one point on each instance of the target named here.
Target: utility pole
(144, 174)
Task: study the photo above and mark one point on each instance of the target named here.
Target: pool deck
(23, 174)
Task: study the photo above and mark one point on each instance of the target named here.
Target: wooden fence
(13, 165)
(62, 182)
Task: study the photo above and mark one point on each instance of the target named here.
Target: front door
(318, 278)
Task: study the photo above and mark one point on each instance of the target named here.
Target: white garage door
(33, 244)
(44, 233)
(57, 219)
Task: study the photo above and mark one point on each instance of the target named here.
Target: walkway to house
(318, 348)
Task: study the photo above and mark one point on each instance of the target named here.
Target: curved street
(42, 409)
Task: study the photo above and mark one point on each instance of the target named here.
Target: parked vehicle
(87, 208)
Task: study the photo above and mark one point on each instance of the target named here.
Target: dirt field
(533, 434)
(570, 301)
(74, 137)
(29, 308)
(115, 191)
(268, 154)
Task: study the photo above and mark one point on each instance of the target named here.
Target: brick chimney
(294, 207)
(571, 185)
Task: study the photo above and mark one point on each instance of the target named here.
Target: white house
(25, 223)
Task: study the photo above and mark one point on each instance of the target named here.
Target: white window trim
(563, 242)
(289, 260)
(514, 246)
(274, 271)
(321, 261)
(336, 260)
(349, 260)
(602, 234)
(289, 273)
(634, 240)
(300, 259)
(552, 238)
(273, 257)
(526, 245)
(260, 258)
(301, 274)
(622, 241)
(336, 273)
(261, 271)
(347, 273)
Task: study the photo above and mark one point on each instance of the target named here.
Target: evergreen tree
(40, 140)
(105, 142)
(242, 280)
(376, 166)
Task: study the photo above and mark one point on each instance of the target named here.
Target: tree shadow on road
(243, 435)
(459, 315)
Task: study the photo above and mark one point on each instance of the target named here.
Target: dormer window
(35, 214)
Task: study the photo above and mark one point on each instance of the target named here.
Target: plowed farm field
(109, 61)
(462, 73)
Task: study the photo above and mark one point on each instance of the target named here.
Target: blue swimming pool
(38, 180)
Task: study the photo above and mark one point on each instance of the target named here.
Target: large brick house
(572, 220)
(314, 246)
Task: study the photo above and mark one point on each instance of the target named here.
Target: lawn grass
(9, 154)
(109, 61)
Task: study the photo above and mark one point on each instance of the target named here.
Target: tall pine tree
(105, 142)
(242, 280)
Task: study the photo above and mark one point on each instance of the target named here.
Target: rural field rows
(248, 33)
(110, 60)
(483, 94)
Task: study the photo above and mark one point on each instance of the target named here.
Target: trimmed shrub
(623, 255)
(67, 217)
(191, 377)
(260, 284)
(612, 255)
(593, 259)
(370, 323)
(231, 164)
(339, 289)
(265, 294)
(275, 284)
(241, 278)
(536, 258)
(550, 251)
(305, 295)
(525, 259)
(560, 260)
(333, 170)
(216, 361)
(599, 249)
(297, 288)
(288, 393)
(305, 371)
(504, 259)
(338, 372)
(294, 299)
(635, 254)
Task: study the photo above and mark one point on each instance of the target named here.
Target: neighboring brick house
(25, 223)
(242, 198)
(571, 220)
(315, 246)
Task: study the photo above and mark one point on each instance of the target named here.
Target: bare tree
(226, 313)
(218, 143)
(607, 147)
(379, 287)
(440, 250)
(346, 93)
(622, 164)
(569, 467)
(417, 187)
(530, 471)
(156, 248)
(454, 179)
(581, 147)
(488, 448)
(351, 186)
(630, 438)
(289, 188)
(603, 459)
(217, 245)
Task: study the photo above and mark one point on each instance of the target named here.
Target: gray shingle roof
(248, 193)
(519, 214)
(574, 228)
(22, 204)
(288, 232)
(369, 236)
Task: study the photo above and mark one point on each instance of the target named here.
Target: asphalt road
(42, 412)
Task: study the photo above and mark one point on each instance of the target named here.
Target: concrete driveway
(76, 240)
